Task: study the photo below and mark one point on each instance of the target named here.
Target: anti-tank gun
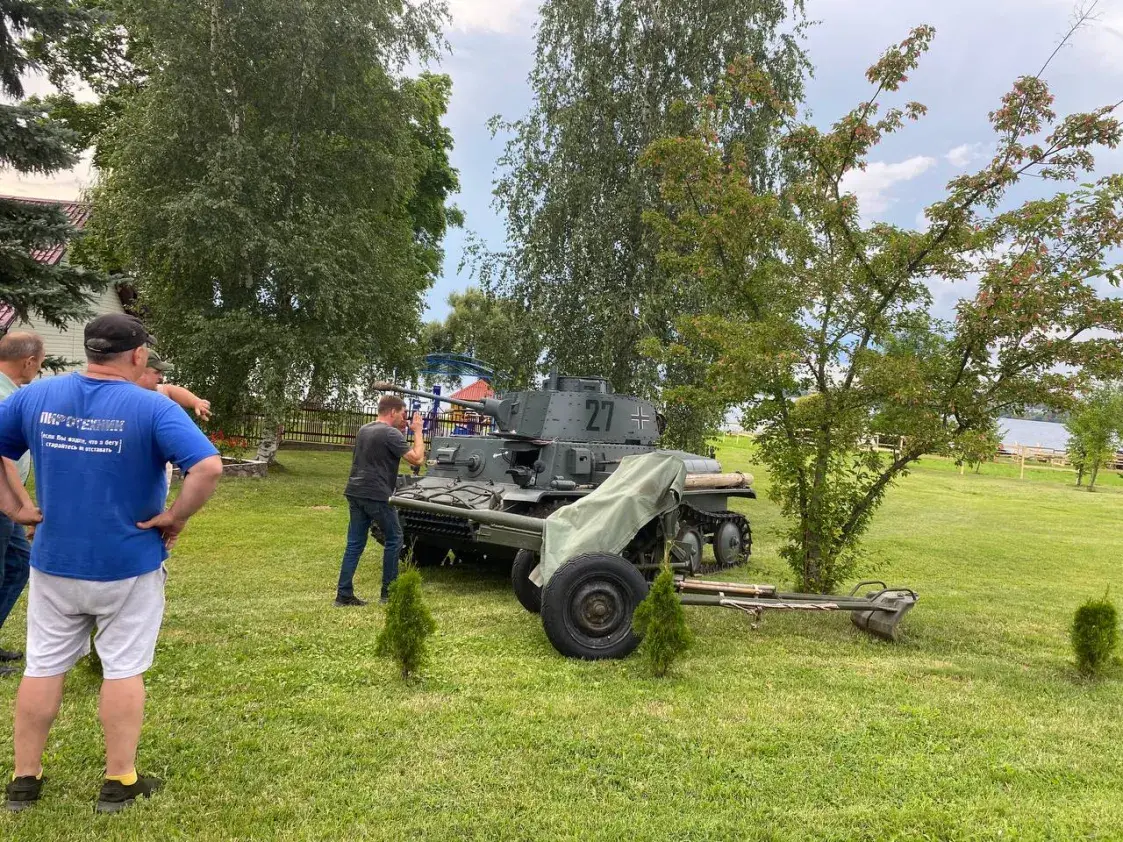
(553, 446)
(591, 561)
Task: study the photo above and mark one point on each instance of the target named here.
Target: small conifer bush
(660, 620)
(1094, 634)
(408, 624)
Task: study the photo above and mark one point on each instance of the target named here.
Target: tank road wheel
(528, 594)
(587, 606)
(729, 545)
(692, 541)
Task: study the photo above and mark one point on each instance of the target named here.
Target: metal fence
(335, 427)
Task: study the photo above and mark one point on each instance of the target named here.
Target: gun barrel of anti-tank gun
(483, 409)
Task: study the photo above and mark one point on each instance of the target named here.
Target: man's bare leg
(122, 715)
(37, 705)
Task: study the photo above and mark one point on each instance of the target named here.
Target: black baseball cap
(115, 333)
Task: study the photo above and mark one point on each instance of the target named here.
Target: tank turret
(578, 409)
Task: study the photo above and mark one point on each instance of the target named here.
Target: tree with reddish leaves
(827, 334)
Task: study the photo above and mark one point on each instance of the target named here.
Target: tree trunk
(1080, 475)
(1092, 478)
(812, 567)
(270, 442)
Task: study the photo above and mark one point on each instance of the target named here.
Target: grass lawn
(271, 717)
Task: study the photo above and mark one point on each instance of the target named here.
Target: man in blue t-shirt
(99, 444)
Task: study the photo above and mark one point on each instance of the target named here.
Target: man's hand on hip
(169, 525)
(27, 515)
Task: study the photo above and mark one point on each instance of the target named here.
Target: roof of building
(77, 212)
(474, 391)
(7, 317)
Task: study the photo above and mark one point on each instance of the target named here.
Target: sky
(980, 47)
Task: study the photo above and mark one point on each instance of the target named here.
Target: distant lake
(1033, 433)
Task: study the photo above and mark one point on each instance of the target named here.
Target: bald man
(21, 358)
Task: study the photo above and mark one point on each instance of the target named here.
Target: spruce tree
(662, 623)
(30, 142)
(408, 624)
(1095, 629)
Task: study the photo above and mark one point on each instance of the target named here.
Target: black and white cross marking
(640, 417)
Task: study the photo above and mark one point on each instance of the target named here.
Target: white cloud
(1106, 40)
(873, 184)
(66, 185)
(505, 17)
(964, 154)
(1101, 36)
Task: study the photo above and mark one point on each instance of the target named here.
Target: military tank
(551, 447)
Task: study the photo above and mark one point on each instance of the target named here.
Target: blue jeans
(363, 514)
(15, 564)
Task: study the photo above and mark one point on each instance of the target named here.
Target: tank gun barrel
(488, 406)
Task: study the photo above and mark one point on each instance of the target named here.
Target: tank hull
(541, 491)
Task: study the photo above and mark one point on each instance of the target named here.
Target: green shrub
(408, 624)
(1094, 633)
(660, 620)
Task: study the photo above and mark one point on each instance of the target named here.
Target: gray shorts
(62, 612)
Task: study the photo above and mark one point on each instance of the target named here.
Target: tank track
(709, 522)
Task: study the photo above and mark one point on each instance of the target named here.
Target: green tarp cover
(642, 488)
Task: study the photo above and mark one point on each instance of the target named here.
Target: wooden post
(1023, 473)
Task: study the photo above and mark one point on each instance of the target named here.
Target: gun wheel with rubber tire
(587, 606)
(527, 593)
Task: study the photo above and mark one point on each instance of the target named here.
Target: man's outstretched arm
(187, 399)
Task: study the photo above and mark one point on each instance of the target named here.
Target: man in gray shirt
(21, 357)
(379, 448)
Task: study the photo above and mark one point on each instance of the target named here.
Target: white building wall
(68, 343)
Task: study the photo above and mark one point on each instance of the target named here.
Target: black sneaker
(343, 601)
(24, 792)
(384, 597)
(10, 654)
(115, 796)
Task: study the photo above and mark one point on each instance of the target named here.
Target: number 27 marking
(597, 406)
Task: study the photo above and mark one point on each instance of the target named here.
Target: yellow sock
(38, 777)
(127, 780)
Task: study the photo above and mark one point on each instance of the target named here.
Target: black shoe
(343, 601)
(115, 796)
(24, 792)
(384, 597)
(6, 671)
(10, 655)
